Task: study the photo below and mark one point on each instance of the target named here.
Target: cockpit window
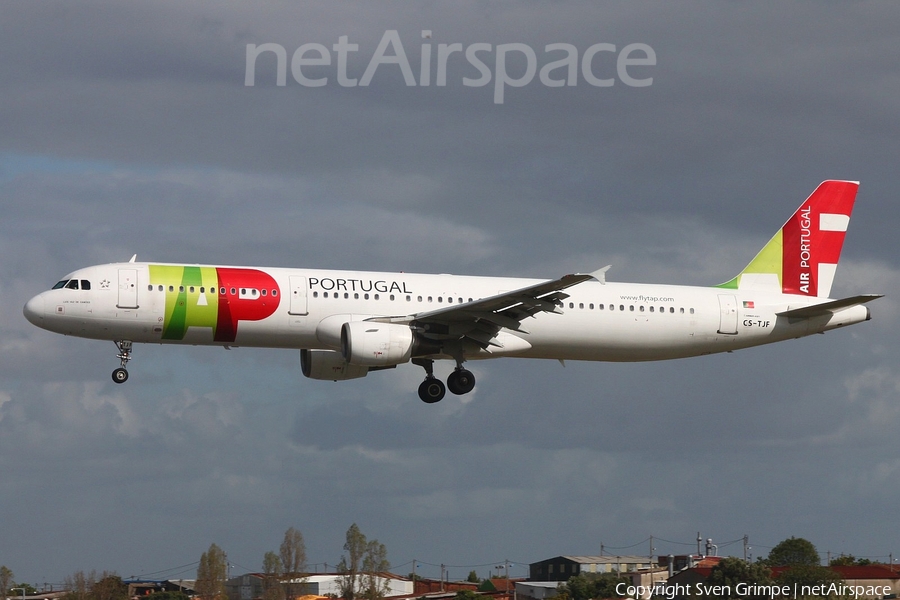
(72, 284)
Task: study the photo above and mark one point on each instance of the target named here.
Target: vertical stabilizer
(803, 255)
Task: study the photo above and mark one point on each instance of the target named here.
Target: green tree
(800, 576)
(109, 587)
(29, 589)
(272, 571)
(6, 580)
(473, 577)
(588, 586)
(848, 560)
(360, 567)
(731, 571)
(467, 595)
(793, 552)
(212, 573)
(91, 586)
(166, 596)
(375, 564)
(293, 562)
(351, 563)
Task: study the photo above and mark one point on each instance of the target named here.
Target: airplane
(348, 323)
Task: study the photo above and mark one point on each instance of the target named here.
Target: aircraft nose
(34, 310)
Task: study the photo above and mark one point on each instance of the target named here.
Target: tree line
(284, 573)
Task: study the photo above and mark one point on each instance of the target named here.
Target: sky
(130, 127)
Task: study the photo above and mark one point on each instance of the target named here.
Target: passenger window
(621, 307)
(599, 307)
(356, 296)
(150, 288)
(264, 292)
(274, 292)
(631, 308)
(671, 309)
(581, 305)
(315, 294)
(160, 288)
(192, 289)
(651, 309)
(376, 297)
(365, 296)
(692, 311)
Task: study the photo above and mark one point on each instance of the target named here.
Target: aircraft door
(728, 317)
(127, 289)
(299, 304)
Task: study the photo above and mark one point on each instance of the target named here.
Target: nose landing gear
(120, 375)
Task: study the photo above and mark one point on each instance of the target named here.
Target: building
(536, 590)
(250, 586)
(562, 568)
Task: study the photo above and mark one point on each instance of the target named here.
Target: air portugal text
(561, 65)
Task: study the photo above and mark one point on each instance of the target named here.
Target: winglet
(133, 258)
(600, 274)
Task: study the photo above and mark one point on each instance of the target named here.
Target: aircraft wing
(481, 320)
(825, 308)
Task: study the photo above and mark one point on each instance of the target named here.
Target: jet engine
(372, 344)
(329, 365)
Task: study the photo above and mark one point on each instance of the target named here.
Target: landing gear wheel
(120, 375)
(461, 381)
(431, 390)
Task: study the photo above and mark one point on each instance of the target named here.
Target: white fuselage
(304, 308)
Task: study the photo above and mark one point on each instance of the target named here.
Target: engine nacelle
(329, 365)
(371, 344)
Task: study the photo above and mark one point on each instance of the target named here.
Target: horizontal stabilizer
(826, 308)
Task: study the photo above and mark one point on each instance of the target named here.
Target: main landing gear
(120, 375)
(461, 381)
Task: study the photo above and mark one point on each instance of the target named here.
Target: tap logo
(217, 298)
